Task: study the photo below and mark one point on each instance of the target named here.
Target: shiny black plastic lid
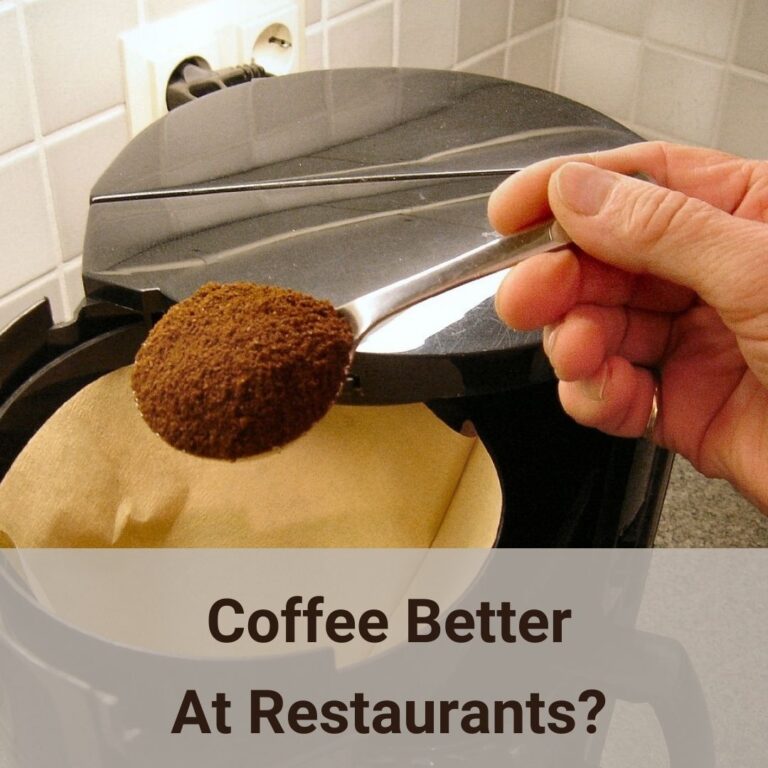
(309, 158)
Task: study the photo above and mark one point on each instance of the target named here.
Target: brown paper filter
(365, 476)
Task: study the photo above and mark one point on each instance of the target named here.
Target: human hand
(665, 283)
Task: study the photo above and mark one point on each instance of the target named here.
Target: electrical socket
(224, 32)
(271, 40)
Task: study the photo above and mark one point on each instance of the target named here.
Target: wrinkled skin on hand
(667, 282)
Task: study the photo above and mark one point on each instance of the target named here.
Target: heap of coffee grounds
(238, 369)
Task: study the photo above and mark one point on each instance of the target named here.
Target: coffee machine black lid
(335, 183)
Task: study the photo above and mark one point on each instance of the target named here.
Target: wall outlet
(271, 40)
(224, 33)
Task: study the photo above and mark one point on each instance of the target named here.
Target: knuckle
(754, 200)
(654, 216)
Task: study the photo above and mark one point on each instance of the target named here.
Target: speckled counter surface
(699, 512)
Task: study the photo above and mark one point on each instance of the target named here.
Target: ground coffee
(238, 369)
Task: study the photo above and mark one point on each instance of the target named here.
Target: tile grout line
(326, 56)
(723, 66)
(359, 12)
(752, 74)
(456, 34)
(508, 38)
(657, 45)
(716, 130)
(643, 39)
(353, 13)
(523, 37)
(554, 54)
(32, 283)
(73, 129)
(52, 221)
(396, 10)
(477, 57)
(565, 18)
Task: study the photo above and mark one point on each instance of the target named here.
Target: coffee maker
(336, 183)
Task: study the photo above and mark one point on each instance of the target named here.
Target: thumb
(644, 228)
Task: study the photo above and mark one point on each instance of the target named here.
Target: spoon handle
(367, 311)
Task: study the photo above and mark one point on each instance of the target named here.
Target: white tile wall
(702, 26)
(696, 70)
(679, 94)
(752, 50)
(99, 140)
(491, 64)
(599, 68)
(481, 25)
(700, 60)
(313, 47)
(19, 301)
(362, 39)
(335, 7)
(529, 14)
(624, 16)
(745, 116)
(531, 59)
(28, 247)
(428, 33)
(75, 56)
(313, 11)
(15, 107)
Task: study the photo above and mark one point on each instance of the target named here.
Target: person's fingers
(588, 335)
(542, 289)
(644, 228)
(617, 399)
(539, 290)
(715, 177)
(657, 295)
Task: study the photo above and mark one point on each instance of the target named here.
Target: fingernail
(594, 388)
(498, 307)
(583, 188)
(548, 338)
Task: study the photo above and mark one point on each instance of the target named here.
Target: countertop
(699, 512)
